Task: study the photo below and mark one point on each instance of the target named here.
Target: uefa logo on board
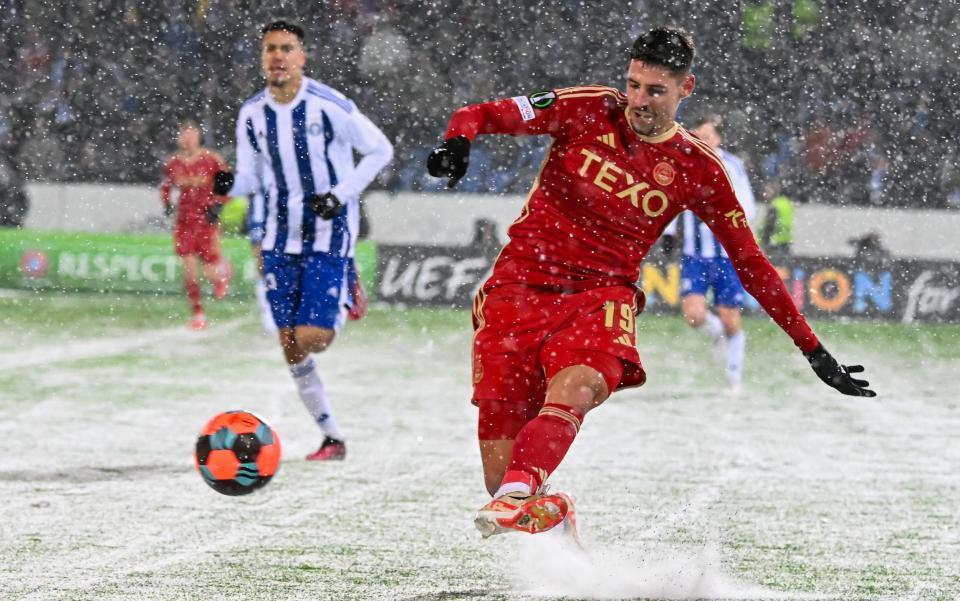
(34, 263)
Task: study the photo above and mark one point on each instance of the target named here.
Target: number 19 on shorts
(619, 315)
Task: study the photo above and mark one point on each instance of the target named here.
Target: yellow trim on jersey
(525, 212)
(478, 301)
(654, 139)
(481, 297)
(563, 91)
(586, 95)
(711, 154)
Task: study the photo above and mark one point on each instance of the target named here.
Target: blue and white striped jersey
(291, 151)
(256, 213)
(698, 240)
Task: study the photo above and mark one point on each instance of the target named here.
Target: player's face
(709, 134)
(653, 96)
(188, 139)
(283, 58)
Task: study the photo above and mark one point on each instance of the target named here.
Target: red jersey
(605, 194)
(194, 177)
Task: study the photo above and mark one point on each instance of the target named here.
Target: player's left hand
(837, 375)
(213, 213)
(168, 210)
(450, 159)
(326, 206)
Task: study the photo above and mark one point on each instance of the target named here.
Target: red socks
(193, 293)
(542, 443)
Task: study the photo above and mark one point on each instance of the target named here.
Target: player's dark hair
(190, 124)
(712, 118)
(669, 47)
(283, 26)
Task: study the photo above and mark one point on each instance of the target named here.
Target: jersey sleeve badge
(537, 100)
(543, 99)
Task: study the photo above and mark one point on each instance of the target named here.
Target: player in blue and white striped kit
(295, 143)
(704, 264)
(256, 214)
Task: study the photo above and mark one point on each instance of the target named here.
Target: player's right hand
(836, 375)
(212, 213)
(168, 209)
(222, 182)
(450, 159)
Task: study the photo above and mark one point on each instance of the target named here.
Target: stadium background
(788, 492)
(841, 104)
(842, 101)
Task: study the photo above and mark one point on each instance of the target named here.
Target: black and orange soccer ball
(237, 453)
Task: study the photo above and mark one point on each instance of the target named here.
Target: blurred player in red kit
(195, 234)
(555, 322)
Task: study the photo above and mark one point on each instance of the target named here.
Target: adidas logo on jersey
(609, 140)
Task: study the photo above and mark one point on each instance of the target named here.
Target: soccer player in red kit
(195, 236)
(555, 322)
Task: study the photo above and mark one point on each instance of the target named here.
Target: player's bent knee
(581, 387)
(694, 310)
(694, 316)
(314, 340)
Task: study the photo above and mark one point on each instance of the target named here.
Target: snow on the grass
(553, 565)
(799, 489)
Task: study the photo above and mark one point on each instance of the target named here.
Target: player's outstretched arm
(837, 375)
(762, 281)
(515, 116)
(450, 159)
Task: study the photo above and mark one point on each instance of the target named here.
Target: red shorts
(524, 336)
(197, 239)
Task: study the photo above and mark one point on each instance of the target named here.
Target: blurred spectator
(776, 231)
(105, 78)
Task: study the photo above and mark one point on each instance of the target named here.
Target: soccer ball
(237, 453)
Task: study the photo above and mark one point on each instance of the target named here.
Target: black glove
(213, 213)
(836, 375)
(326, 206)
(222, 182)
(668, 243)
(168, 210)
(450, 159)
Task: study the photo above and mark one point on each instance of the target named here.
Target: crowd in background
(838, 101)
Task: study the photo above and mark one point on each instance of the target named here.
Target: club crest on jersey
(543, 100)
(315, 129)
(664, 173)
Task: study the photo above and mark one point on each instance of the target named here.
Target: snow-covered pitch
(788, 491)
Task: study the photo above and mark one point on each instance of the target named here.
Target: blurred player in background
(705, 265)
(303, 135)
(195, 235)
(555, 329)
